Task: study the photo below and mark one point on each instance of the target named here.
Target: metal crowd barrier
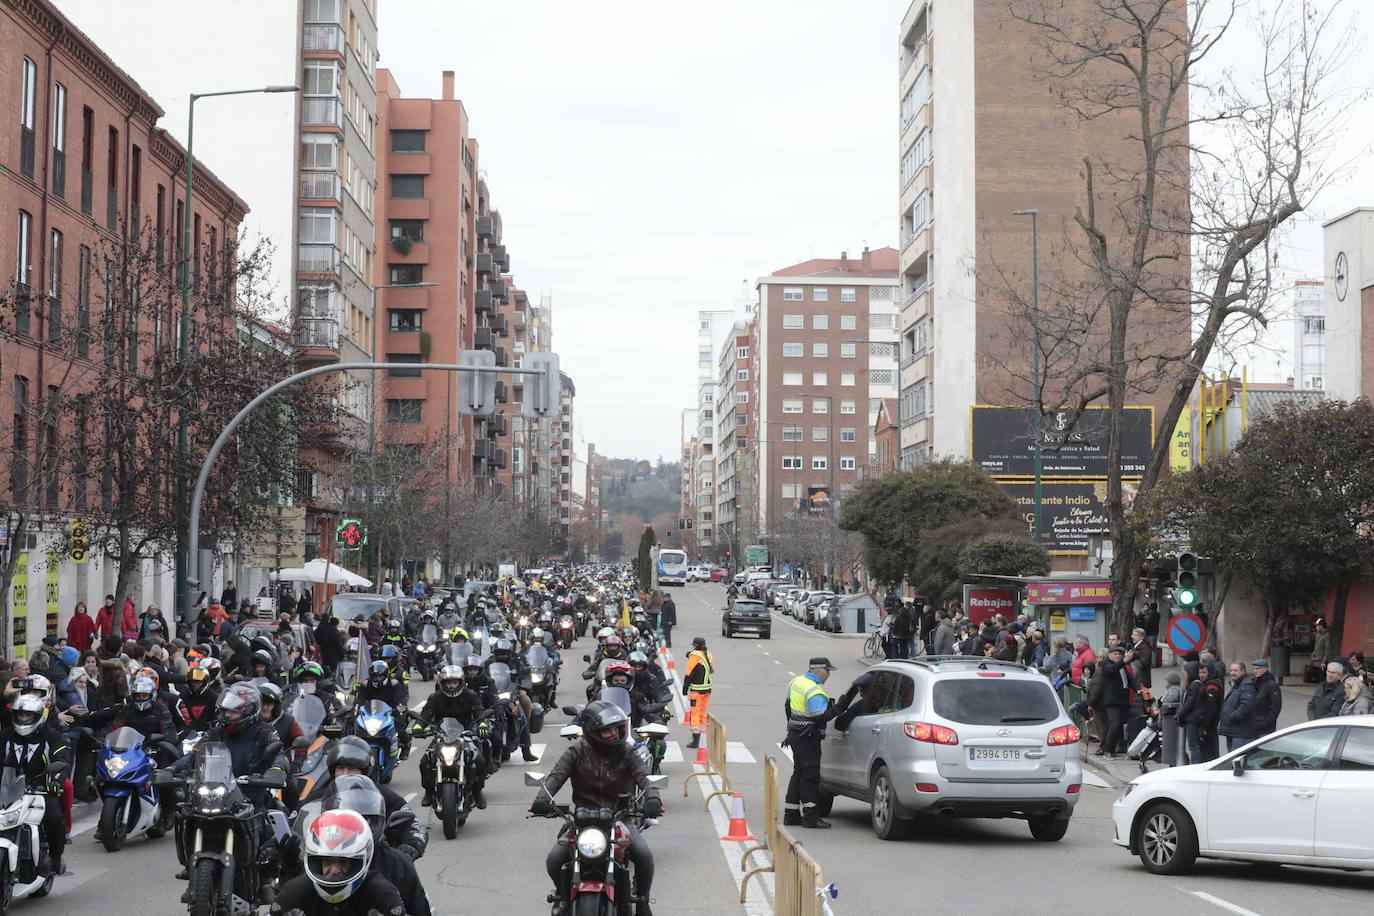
(715, 760)
(797, 880)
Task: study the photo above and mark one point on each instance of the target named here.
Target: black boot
(527, 754)
(642, 907)
(815, 823)
(791, 818)
(428, 800)
(479, 799)
(695, 742)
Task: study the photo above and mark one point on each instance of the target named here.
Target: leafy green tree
(644, 563)
(901, 516)
(1291, 510)
(1003, 555)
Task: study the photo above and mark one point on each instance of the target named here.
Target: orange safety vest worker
(696, 686)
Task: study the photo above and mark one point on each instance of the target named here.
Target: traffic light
(1187, 591)
(477, 390)
(689, 524)
(681, 523)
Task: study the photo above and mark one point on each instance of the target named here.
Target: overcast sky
(646, 158)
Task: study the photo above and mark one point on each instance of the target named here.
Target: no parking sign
(1186, 633)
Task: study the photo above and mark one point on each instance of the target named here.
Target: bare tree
(1216, 185)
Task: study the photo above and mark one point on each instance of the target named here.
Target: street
(496, 863)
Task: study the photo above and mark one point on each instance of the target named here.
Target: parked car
(1303, 795)
(959, 737)
(811, 610)
(719, 573)
(746, 615)
(772, 596)
(796, 601)
(347, 605)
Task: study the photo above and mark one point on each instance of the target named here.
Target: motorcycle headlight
(537, 678)
(503, 695)
(116, 765)
(211, 791)
(592, 843)
(372, 726)
(10, 819)
(429, 648)
(449, 755)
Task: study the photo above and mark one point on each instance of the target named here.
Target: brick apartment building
(83, 168)
(733, 433)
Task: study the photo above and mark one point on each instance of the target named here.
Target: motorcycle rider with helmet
(310, 681)
(503, 652)
(338, 849)
(452, 699)
(201, 697)
(274, 714)
(33, 744)
(601, 769)
(394, 636)
(350, 756)
(382, 684)
(142, 711)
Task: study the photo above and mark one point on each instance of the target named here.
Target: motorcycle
(25, 865)
(306, 771)
(453, 759)
(600, 880)
(375, 723)
(222, 834)
(508, 702)
(130, 806)
(427, 652)
(522, 628)
(565, 631)
(543, 685)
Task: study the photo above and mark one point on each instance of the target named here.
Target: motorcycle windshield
(376, 708)
(499, 672)
(538, 657)
(450, 730)
(459, 653)
(429, 634)
(308, 711)
(565, 621)
(12, 786)
(617, 695)
(124, 739)
(213, 764)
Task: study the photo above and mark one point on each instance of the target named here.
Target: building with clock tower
(1348, 264)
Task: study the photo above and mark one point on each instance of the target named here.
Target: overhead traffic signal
(1187, 585)
(689, 524)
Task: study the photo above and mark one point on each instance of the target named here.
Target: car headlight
(592, 843)
(116, 765)
(1127, 789)
(449, 755)
(372, 726)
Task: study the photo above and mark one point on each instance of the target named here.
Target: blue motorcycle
(130, 806)
(375, 723)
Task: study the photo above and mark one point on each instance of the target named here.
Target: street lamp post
(184, 545)
(1037, 369)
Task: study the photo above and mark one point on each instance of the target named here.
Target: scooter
(427, 652)
(130, 806)
(25, 865)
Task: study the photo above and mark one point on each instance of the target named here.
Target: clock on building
(1342, 275)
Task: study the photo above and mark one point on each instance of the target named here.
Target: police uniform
(808, 708)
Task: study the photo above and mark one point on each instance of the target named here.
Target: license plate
(994, 753)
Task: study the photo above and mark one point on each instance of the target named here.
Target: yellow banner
(624, 613)
(51, 606)
(19, 606)
(1181, 443)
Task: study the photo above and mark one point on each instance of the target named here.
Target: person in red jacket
(1083, 655)
(105, 618)
(81, 629)
(129, 623)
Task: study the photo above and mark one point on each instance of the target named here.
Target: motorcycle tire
(114, 826)
(448, 804)
(593, 905)
(204, 877)
(6, 888)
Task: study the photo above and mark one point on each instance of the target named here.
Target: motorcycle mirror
(533, 778)
(570, 710)
(270, 752)
(171, 750)
(657, 781)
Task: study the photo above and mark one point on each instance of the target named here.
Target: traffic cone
(739, 831)
(687, 712)
(701, 753)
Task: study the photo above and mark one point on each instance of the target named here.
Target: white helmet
(337, 849)
(142, 687)
(28, 714)
(537, 634)
(603, 633)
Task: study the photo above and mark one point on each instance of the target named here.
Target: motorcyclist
(452, 699)
(394, 636)
(310, 681)
(181, 717)
(601, 769)
(142, 711)
(264, 665)
(503, 652)
(382, 684)
(201, 697)
(350, 756)
(338, 849)
(612, 647)
(274, 714)
(35, 746)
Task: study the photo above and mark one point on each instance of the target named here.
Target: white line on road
(1092, 779)
(785, 750)
(410, 797)
(1218, 902)
(777, 661)
(793, 673)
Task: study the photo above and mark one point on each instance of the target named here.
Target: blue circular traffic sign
(1186, 633)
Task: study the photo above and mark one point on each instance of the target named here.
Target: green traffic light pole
(198, 491)
(183, 550)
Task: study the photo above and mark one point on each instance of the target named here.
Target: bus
(672, 567)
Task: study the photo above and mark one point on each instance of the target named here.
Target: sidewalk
(1123, 769)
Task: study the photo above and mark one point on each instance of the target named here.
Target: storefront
(1071, 607)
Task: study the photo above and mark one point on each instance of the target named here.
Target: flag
(624, 613)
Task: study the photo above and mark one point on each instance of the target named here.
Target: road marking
(410, 797)
(736, 752)
(785, 750)
(1092, 779)
(672, 752)
(793, 673)
(1218, 902)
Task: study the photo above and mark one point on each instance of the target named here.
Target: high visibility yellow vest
(799, 694)
(704, 660)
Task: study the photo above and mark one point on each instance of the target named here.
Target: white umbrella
(321, 570)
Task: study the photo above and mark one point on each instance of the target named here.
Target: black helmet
(271, 693)
(263, 657)
(239, 707)
(597, 719)
(502, 649)
(378, 671)
(351, 751)
(699, 642)
(264, 644)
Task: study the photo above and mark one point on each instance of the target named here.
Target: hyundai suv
(955, 736)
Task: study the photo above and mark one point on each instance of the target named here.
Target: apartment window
(319, 151)
(408, 186)
(820, 322)
(846, 407)
(413, 229)
(847, 379)
(880, 377)
(820, 294)
(820, 405)
(915, 157)
(407, 273)
(791, 462)
(820, 434)
(847, 434)
(820, 378)
(87, 154)
(83, 301)
(846, 351)
(322, 11)
(819, 463)
(59, 139)
(847, 294)
(741, 375)
(408, 141)
(1314, 382)
(405, 321)
(792, 323)
(23, 272)
(321, 78)
(55, 288)
(741, 419)
(703, 356)
(19, 440)
(403, 410)
(708, 414)
(792, 405)
(791, 491)
(400, 372)
(1314, 324)
(847, 464)
(741, 352)
(791, 434)
(792, 378)
(820, 350)
(741, 397)
(793, 294)
(704, 324)
(793, 349)
(28, 100)
(319, 226)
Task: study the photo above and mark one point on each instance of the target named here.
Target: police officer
(808, 708)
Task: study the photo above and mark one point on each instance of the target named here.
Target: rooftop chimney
(844, 260)
(867, 260)
(448, 85)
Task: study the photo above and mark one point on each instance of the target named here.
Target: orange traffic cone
(671, 666)
(687, 712)
(739, 831)
(701, 752)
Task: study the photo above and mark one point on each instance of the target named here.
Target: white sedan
(1301, 796)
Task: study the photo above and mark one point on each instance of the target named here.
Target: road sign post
(1186, 633)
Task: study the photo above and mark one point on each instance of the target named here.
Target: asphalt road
(496, 863)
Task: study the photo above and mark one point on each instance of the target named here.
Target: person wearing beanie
(1169, 703)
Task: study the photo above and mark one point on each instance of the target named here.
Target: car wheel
(884, 807)
(1166, 839)
(1048, 828)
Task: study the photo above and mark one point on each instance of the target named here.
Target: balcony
(318, 259)
(498, 425)
(485, 264)
(483, 448)
(482, 300)
(498, 323)
(322, 112)
(502, 394)
(499, 458)
(321, 186)
(521, 318)
(484, 338)
(314, 333)
(488, 228)
(502, 257)
(502, 357)
(26, 151)
(499, 290)
(59, 173)
(324, 36)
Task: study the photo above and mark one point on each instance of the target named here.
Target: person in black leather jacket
(392, 691)
(452, 699)
(142, 711)
(32, 743)
(601, 768)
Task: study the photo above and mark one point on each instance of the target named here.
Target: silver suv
(958, 736)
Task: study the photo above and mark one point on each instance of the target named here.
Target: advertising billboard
(1003, 442)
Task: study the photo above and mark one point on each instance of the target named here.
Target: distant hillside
(641, 488)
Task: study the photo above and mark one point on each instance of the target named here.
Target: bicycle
(873, 646)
